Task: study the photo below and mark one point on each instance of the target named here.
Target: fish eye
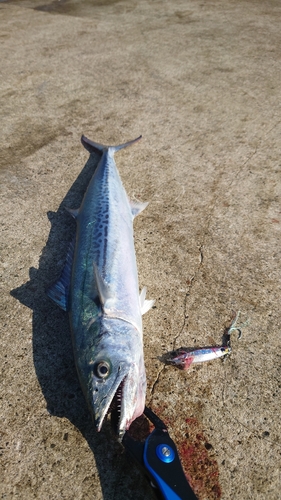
(102, 369)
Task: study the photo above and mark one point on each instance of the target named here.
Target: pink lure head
(181, 359)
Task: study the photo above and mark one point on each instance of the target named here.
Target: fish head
(116, 379)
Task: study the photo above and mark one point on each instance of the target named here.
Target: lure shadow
(53, 356)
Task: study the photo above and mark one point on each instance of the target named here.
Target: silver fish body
(102, 296)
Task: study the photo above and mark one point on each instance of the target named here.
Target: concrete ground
(201, 81)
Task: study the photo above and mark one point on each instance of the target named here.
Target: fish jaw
(102, 396)
(126, 394)
(133, 398)
(123, 387)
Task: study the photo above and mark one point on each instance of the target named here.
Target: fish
(99, 288)
(184, 357)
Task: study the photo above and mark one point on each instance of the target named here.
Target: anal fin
(145, 304)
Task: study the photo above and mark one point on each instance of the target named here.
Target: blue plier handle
(159, 460)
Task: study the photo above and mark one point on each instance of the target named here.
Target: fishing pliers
(158, 458)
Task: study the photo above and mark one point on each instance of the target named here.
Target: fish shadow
(53, 355)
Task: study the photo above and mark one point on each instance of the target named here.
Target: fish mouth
(124, 399)
(116, 408)
(112, 401)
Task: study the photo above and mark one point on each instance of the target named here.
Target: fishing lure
(184, 356)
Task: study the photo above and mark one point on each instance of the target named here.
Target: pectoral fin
(104, 289)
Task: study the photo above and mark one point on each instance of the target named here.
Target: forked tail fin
(95, 147)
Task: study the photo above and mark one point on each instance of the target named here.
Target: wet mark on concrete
(29, 138)
(72, 8)
(77, 8)
(183, 17)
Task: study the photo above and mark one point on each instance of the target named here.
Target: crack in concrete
(193, 279)
(187, 294)
(201, 255)
(242, 166)
(162, 368)
(185, 315)
(272, 128)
